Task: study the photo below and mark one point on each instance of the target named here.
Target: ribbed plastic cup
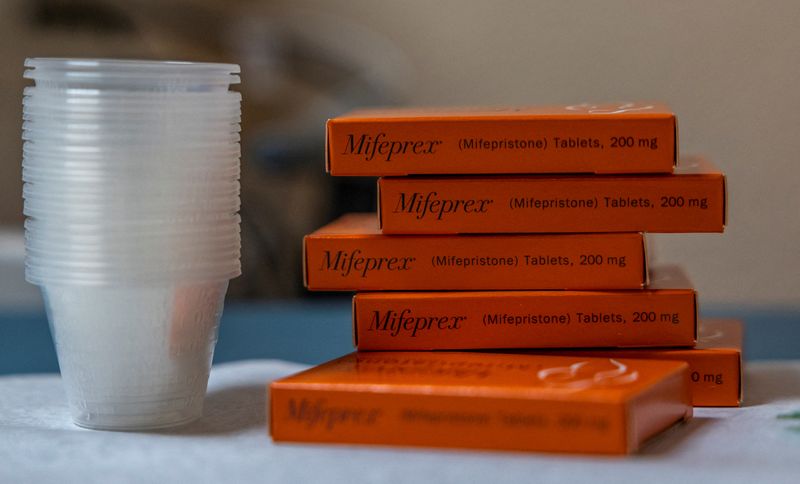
(178, 213)
(99, 96)
(42, 171)
(130, 75)
(165, 189)
(145, 153)
(131, 172)
(135, 356)
(209, 264)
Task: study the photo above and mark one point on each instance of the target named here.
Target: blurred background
(730, 70)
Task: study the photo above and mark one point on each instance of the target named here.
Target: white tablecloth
(230, 444)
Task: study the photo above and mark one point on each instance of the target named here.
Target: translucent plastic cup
(44, 273)
(201, 222)
(147, 153)
(131, 172)
(101, 246)
(116, 259)
(135, 118)
(160, 196)
(165, 189)
(69, 96)
(150, 106)
(184, 166)
(150, 247)
(33, 172)
(135, 357)
(130, 75)
(91, 213)
(126, 139)
(212, 264)
(115, 128)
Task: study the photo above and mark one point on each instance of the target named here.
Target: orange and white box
(482, 401)
(636, 137)
(663, 314)
(715, 364)
(351, 254)
(693, 199)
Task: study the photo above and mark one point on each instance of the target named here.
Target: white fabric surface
(230, 444)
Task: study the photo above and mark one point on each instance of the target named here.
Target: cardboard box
(691, 200)
(664, 314)
(583, 138)
(715, 363)
(485, 401)
(351, 254)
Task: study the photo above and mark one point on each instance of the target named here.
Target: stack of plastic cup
(131, 172)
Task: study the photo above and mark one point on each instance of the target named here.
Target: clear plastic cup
(100, 207)
(174, 149)
(93, 245)
(100, 242)
(68, 96)
(134, 357)
(48, 235)
(191, 122)
(119, 187)
(42, 106)
(151, 254)
(52, 239)
(130, 75)
(117, 127)
(124, 139)
(35, 167)
(201, 221)
(186, 153)
(91, 213)
(157, 106)
(36, 172)
(162, 262)
(120, 269)
(127, 138)
(217, 271)
(126, 194)
(131, 188)
(38, 269)
(158, 163)
(52, 235)
(91, 178)
(195, 164)
(130, 66)
(161, 223)
(144, 153)
(134, 117)
(156, 258)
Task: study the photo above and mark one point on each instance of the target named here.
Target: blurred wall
(731, 71)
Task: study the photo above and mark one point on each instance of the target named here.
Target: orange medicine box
(582, 138)
(484, 401)
(691, 200)
(352, 254)
(715, 363)
(664, 314)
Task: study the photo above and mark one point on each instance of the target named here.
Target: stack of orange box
(515, 239)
